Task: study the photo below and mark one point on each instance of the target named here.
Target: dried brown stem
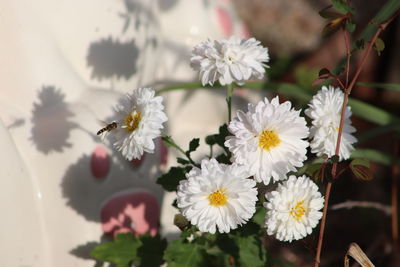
(362, 204)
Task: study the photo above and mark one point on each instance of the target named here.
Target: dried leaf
(358, 255)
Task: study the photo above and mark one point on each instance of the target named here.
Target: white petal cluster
(217, 196)
(234, 60)
(324, 111)
(268, 140)
(140, 117)
(293, 210)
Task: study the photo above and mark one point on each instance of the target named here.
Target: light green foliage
(184, 254)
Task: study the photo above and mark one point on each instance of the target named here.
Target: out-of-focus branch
(349, 204)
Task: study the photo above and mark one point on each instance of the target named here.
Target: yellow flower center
(268, 140)
(298, 210)
(132, 121)
(218, 198)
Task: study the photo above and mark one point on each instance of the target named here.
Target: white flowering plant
(277, 157)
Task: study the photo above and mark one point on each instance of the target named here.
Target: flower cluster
(267, 142)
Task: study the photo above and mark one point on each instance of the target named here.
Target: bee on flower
(137, 121)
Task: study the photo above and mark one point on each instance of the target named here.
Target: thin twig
(347, 92)
(348, 55)
(349, 204)
(394, 197)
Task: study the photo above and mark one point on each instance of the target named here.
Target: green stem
(171, 143)
(229, 92)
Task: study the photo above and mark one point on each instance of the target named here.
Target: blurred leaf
(335, 159)
(361, 169)
(170, 180)
(259, 216)
(181, 254)
(328, 14)
(388, 86)
(372, 113)
(376, 131)
(350, 26)
(169, 142)
(211, 139)
(182, 161)
(324, 71)
(181, 222)
(375, 156)
(379, 45)
(305, 76)
(342, 7)
(121, 251)
(333, 26)
(389, 8)
(194, 144)
(152, 250)
(315, 171)
(251, 251)
(360, 44)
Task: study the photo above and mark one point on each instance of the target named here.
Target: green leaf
(121, 251)
(211, 139)
(181, 254)
(376, 131)
(171, 179)
(152, 250)
(388, 86)
(342, 6)
(251, 251)
(194, 144)
(328, 14)
(221, 136)
(372, 113)
(350, 26)
(182, 161)
(361, 169)
(169, 142)
(315, 171)
(376, 156)
(379, 45)
(259, 216)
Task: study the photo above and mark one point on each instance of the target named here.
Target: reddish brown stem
(348, 55)
(347, 91)
(394, 197)
(322, 227)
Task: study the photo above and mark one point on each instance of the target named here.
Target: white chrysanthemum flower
(293, 210)
(217, 196)
(268, 140)
(139, 117)
(325, 110)
(227, 61)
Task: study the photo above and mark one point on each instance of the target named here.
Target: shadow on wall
(110, 58)
(50, 118)
(85, 193)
